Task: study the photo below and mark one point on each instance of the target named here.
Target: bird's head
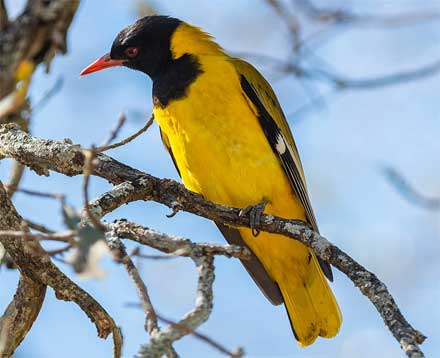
(152, 43)
(144, 46)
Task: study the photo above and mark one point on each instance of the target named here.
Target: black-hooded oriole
(229, 139)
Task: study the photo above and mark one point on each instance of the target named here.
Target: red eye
(131, 52)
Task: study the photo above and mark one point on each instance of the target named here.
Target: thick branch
(4, 18)
(35, 265)
(35, 36)
(174, 245)
(44, 155)
(23, 310)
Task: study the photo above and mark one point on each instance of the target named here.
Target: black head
(143, 46)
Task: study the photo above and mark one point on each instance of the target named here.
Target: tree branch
(23, 310)
(151, 324)
(38, 271)
(174, 245)
(238, 353)
(44, 155)
(398, 181)
(34, 36)
(160, 342)
(4, 18)
(342, 16)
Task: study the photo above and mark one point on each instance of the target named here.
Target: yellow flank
(223, 154)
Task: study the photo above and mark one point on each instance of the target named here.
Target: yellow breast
(219, 146)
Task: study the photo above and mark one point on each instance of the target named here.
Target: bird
(230, 142)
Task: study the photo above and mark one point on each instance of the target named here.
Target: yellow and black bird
(229, 139)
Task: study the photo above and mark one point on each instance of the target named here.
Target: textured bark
(35, 35)
(35, 264)
(21, 313)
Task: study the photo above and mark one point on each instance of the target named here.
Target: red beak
(100, 64)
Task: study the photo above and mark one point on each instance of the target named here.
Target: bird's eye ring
(131, 52)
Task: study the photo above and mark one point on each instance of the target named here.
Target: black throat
(173, 82)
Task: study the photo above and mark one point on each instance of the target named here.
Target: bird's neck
(190, 39)
(188, 45)
(173, 82)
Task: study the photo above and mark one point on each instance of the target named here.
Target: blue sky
(343, 148)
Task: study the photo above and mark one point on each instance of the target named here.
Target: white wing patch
(281, 147)
(281, 144)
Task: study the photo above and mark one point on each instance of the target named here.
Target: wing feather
(277, 131)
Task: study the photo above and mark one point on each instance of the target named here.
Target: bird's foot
(175, 207)
(254, 212)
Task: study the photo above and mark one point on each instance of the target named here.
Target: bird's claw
(175, 207)
(254, 212)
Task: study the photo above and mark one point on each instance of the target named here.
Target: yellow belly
(223, 154)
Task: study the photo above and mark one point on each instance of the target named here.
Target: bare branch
(137, 253)
(59, 251)
(115, 131)
(69, 159)
(291, 21)
(128, 139)
(42, 194)
(174, 245)
(23, 310)
(32, 36)
(89, 155)
(160, 342)
(116, 245)
(41, 228)
(397, 180)
(4, 18)
(342, 82)
(34, 263)
(239, 353)
(340, 15)
(66, 236)
(50, 93)
(14, 178)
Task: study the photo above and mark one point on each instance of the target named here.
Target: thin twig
(290, 20)
(137, 253)
(239, 353)
(128, 139)
(160, 342)
(89, 155)
(15, 177)
(392, 79)
(48, 95)
(151, 324)
(59, 251)
(41, 228)
(337, 15)
(408, 192)
(41, 194)
(66, 236)
(115, 131)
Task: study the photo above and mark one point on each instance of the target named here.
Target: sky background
(344, 145)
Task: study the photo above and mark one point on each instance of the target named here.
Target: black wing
(282, 148)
